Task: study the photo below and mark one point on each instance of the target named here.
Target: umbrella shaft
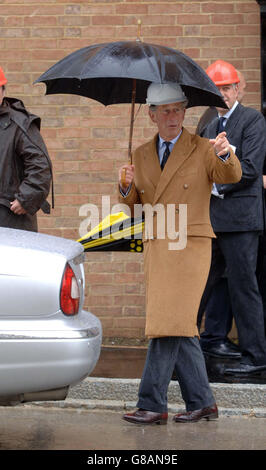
(132, 120)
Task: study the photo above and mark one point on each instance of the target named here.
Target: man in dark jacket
(237, 219)
(219, 315)
(25, 166)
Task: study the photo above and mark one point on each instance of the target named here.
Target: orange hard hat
(3, 79)
(222, 73)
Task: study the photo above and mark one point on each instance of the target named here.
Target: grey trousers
(183, 355)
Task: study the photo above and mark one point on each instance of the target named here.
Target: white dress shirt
(225, 116)
(161, 146)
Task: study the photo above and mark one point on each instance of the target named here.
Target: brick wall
(88, 142)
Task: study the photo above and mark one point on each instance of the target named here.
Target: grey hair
(153, 107)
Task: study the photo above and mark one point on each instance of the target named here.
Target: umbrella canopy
(117, 232)
(104, 72)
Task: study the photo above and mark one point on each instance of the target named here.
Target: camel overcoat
(175, 278)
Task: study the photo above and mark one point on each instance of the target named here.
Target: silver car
(47, 341)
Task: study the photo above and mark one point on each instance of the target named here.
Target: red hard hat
(222, 73)
(3, 79)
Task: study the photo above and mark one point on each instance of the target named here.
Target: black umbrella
(104, 72)
(120, 72)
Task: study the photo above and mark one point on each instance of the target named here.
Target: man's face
(169, 119)
(229, 93)
(2, 94)
(241, 87)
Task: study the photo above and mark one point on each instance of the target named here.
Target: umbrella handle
(123, 178)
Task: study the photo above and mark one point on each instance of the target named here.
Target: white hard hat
(164, 93)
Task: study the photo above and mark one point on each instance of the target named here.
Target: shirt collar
(230, 111)
(173, 141)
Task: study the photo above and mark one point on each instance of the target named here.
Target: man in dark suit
(237, 218)
(261, 266)
(220, 324)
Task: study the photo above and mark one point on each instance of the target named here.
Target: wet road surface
(29, 427)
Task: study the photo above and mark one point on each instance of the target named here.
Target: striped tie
(165, 155)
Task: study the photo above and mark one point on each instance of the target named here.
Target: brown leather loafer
(146, 417)
(209, 413)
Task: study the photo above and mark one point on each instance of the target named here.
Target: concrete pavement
(91, 419)
(114, 394)
(102, 432)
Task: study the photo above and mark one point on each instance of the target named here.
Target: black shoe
(225, 350)
(146, 417)
(234, 346)
(246, 369)
(209, 413)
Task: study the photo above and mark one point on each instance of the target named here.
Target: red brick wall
(88, 142)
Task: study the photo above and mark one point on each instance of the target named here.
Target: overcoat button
(185, 186)
(142, 191)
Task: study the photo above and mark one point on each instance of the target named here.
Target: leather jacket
(25, 166)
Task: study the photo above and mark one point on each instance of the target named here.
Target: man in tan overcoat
(175, 170)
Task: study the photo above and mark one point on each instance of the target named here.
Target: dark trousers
(261, 273)
(236, 252)
(219, 315)
(183, 355)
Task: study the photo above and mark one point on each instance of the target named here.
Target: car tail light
(69, 295)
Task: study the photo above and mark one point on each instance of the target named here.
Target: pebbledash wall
(87, 141)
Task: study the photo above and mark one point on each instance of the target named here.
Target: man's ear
(152, 115)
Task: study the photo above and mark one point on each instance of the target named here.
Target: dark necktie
(166, 154)
(220, 127)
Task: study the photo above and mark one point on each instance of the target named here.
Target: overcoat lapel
(229, 126)
(152, 167)
(232, 122)
(180, 153)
